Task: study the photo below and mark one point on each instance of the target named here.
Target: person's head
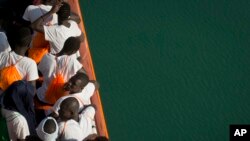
(71, 46)
(69, 108)
(63, 13)
(47, 130)
(22, 38)
(76, 83)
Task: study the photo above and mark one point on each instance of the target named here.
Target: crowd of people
(44, 89)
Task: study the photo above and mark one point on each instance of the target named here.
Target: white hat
(46, 136)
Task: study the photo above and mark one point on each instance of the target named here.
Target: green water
(171, 70)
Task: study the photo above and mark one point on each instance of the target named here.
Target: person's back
(26, 68)
(17, 108)
(64, 64)
(69, 128)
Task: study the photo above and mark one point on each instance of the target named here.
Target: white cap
(46, 136)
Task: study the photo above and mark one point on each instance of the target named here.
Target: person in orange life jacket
(57, 34)
(65, 64)
(80, 87)
(39, 46)
(22, 68)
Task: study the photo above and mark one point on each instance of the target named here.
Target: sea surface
(171, 70)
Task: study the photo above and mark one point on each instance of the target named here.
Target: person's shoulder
(28, 61)
(49, 56)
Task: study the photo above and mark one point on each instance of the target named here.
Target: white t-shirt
(58, 34)
(82, 97)
(33, 12)
(17, 125)
(86, 121)
(70, 130)
(66, 65)
(26, 67)
(4, 44)
(78, 130)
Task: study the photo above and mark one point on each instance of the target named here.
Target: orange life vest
(55, 88)
(8, 75)
(39, 47)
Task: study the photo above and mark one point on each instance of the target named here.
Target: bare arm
(81, 37)
(75, 17)
(38, 24)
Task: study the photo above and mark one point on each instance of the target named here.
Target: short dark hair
(49, 126)
(83, 77)
(71, 46)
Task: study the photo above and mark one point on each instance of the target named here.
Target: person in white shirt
(25, 66)
(58, 34)
(64, 63)
(80, 87)
(39, 46)
(73, 125)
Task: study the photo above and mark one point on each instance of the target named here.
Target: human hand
(56, 6)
